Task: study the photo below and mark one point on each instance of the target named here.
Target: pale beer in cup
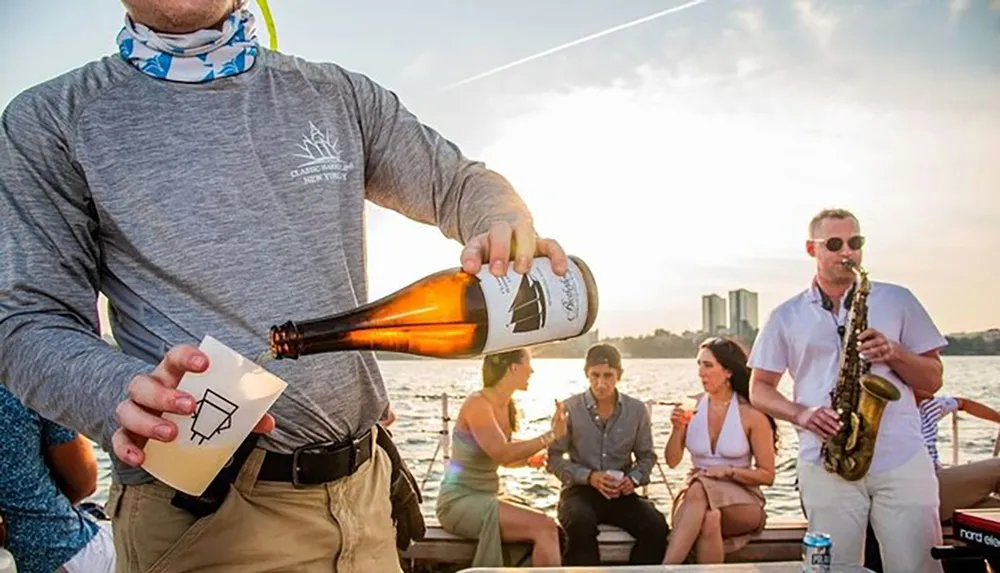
(690, 407)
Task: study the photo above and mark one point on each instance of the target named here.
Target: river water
(416, 386)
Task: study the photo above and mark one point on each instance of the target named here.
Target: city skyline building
(713, 313)
(742, 312)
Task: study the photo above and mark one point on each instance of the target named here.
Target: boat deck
(780, 541)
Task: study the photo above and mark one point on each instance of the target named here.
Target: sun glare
(643, 178)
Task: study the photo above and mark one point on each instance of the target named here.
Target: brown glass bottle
(452, 314)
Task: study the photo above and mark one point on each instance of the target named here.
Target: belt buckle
(321, 447)
(356, 450)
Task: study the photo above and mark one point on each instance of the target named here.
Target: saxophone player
(891, 334)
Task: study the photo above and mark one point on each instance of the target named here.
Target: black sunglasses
(834, 244)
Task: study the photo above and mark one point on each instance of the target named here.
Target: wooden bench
(780, 541)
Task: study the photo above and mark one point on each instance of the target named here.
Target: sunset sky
(681, 156)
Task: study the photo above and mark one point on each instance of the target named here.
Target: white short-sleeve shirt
(801, 337)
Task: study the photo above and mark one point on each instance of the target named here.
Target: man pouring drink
(224, 243)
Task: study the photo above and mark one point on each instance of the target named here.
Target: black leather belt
(315, 464)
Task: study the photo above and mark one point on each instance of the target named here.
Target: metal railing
(444, 441)
(443, 447)
(444, 438)
(955, 443)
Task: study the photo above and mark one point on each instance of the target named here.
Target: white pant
(902, 504)
(98, 556)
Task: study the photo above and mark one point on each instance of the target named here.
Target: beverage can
(817, 548)
(7, 564)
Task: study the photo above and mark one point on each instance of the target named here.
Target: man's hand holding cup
(150, 395)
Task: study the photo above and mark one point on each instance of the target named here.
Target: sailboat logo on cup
(528, 309)
(213, 414)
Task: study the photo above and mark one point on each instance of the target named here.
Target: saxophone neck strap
(828, 302)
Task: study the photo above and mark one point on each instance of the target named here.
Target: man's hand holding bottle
(505, 242)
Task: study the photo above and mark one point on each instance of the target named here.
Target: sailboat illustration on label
(528, 309)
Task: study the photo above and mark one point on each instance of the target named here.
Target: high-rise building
(742, 311)
(713, 313)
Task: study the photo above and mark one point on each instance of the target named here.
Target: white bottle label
(537, 307)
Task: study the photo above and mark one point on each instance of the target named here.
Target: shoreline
(541, 356)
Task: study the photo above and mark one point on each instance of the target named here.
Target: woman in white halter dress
(732, 447)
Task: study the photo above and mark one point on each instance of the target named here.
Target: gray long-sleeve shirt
(219, 208)
(593, 445)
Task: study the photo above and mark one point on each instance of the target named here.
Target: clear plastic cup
(690, 406)
(616, 475)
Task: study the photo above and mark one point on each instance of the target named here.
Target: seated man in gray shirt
(595, 464)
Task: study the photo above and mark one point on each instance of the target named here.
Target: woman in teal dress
(470, 503)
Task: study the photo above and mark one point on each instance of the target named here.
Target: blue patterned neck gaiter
(196, 57)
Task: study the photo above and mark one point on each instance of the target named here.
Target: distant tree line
(978, 344)
(660, 344)
(665, 344)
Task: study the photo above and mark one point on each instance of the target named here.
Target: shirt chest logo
(319, 158)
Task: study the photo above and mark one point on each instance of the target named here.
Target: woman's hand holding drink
(680, 417)
(538, 460)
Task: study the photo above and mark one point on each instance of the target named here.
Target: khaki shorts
(343, 527)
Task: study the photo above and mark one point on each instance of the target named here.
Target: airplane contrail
(576, 42)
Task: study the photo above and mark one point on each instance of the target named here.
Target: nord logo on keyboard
(979, 537)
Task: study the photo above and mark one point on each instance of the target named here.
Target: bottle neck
(329, 334)
(286, 341)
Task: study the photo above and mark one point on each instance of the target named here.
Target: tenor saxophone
(859, 396)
